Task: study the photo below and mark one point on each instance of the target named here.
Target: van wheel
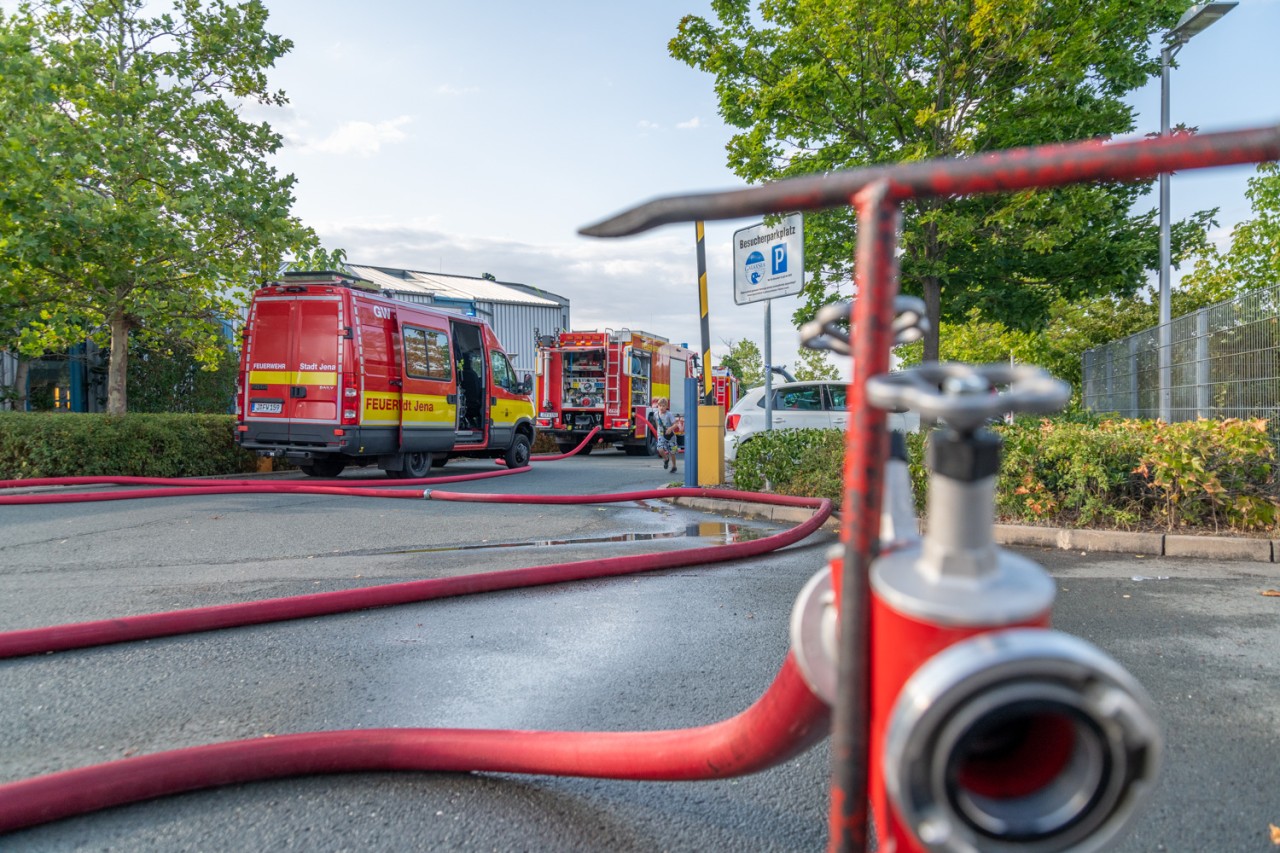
(323, 467)
(517, 455)
(416, 465)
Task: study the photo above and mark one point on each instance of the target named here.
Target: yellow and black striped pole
(708, 392)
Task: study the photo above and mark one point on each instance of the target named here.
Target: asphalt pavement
(662, 650)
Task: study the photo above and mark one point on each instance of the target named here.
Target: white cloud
(1220, 237)
(361, 138)
(647, 282)
(645, 124)
(691, 124)
(452, 91)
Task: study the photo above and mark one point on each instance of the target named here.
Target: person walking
(668, 443)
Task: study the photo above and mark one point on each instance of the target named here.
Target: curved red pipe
(786, 720)
(221, 485)
(78, 635)
(556, 457)
(196, 482)
(349, 488)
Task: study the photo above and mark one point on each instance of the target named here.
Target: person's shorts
(668, 442)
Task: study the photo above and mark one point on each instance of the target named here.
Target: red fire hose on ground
(786, 720)
(171, 487)
(149, 626)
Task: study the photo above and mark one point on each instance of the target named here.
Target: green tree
(172, 380)
(813, 364)
(1072, 327)
(820, 85)
(316, 258)
(1253, 258)
(745, 362)
(139, 194)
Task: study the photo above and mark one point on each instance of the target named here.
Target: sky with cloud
(468, 138)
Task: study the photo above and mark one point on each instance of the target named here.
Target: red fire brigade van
(608, 379)
(332, 373)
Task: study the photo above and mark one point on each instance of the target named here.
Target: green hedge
(1072, 472)
(69, 445)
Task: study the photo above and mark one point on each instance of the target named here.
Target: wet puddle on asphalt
(723, 533)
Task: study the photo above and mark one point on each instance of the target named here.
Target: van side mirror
(526, 386)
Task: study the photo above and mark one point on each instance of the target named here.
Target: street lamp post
(1196, 20)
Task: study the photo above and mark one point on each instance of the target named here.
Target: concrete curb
(1109, 541)
(765, 512)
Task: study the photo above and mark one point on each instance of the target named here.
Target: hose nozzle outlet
(1024, 739)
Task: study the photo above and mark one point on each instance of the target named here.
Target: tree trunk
(117, 399)
(20, 374)
(932, 288)
(933, 310)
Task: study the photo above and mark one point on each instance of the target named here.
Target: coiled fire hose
(786, 720)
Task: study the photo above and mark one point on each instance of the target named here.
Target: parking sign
(768, 260)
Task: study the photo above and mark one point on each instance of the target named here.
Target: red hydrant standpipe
(984, 737)
(877, 192)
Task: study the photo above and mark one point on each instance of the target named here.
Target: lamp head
(1197, 19)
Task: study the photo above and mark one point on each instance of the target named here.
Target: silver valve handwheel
(965, 396)
(830, 329)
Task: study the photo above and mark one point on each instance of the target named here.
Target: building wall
(515, 324)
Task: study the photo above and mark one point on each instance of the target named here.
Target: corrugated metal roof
(451, 286)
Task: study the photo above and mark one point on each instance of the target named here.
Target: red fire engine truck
(333, 373)
(725, 388)
(609, 380)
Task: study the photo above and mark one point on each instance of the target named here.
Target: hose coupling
(1025, 739)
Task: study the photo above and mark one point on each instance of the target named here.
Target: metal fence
(1225, 363)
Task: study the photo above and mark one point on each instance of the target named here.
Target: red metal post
(876, 279)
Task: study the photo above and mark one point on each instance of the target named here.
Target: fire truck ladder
(613, 373)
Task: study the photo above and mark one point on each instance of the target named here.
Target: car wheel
(517, 455)
(416, 465)
(324, 467)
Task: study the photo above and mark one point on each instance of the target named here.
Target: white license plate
(266, 408)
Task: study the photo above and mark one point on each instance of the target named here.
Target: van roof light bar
(332, 277)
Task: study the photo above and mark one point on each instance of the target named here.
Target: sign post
(768, 262)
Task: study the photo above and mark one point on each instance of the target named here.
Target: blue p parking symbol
(779, 258)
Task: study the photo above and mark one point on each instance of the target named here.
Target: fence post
(1202, 363)
(1134, 400)
(1109, 371)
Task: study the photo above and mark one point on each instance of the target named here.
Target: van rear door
(295, 350)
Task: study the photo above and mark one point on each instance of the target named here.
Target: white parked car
(797, 405)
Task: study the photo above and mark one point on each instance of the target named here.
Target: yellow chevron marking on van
(293, 377)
